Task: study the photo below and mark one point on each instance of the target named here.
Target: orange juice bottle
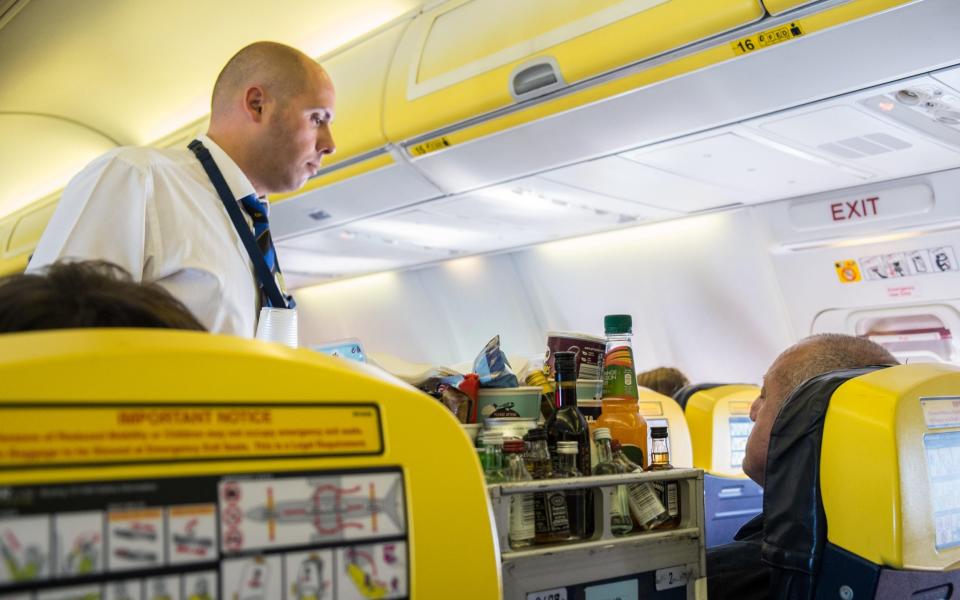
(619, 411)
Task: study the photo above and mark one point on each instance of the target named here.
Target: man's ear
(253, 101)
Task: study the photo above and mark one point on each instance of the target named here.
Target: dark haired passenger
(663, 380)
(67, 295)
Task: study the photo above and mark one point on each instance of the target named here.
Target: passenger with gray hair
(735, 570)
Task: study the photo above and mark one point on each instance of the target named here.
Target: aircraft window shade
(478, 32)
(943, 470)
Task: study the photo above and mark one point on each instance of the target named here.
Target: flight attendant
(194, 220)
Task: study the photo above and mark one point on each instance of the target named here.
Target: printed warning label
(429, 146)
(848, 271)
(54, 435)
(767, 38)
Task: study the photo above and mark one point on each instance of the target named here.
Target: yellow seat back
(890, 467)
(281, 471)
(719, 421)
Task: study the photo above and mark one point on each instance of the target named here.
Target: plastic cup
(278, 325)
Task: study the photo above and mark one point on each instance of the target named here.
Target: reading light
(910, 97)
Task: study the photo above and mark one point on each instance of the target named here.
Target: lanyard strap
(265, 277)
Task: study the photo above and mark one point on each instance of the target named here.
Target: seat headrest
(683, 394)
(795, 528)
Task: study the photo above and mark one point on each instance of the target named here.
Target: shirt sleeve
(101, 216)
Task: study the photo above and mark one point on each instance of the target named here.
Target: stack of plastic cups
(278, 325)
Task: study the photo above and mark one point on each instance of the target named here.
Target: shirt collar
(239, 185)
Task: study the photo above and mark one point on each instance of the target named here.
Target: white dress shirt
(156, 214)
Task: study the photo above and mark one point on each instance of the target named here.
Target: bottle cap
(492, 438)
(616, 446)
(536, 434)
(601, 433)
(658, 432)
(613, 324)
(565, 364)
(567, 447)
(513, 446)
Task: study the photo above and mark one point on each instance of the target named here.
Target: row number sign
(768, 38)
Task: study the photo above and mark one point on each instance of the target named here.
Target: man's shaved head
(815, 355)
(280, 69)
(271, 112)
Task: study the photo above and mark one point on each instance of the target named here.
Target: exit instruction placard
(70, 434)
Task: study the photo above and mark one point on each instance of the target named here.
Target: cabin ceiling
(80, 77)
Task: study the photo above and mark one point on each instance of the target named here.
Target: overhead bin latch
(535, 78)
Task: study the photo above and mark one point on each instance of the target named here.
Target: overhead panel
(383, 184)
(466, 59)
(619, 177)
(522, 212)
(757, 169)
(343, 251)
(894, 131)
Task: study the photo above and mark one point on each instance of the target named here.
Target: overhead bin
(467, 58)
(20, 232)
(706, 85)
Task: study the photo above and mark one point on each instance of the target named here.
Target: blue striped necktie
(257, 211)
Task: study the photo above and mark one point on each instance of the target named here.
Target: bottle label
(619, 379)
(668, 491)
(557, 518)
(645, 506)
(522, 519)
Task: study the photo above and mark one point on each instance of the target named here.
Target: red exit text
(858, 209)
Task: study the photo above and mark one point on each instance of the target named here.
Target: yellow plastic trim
(122, 366)
(371, 164)
(717, 54)
(873, 470)
(12, 266)
(775, 7)
(708, 413)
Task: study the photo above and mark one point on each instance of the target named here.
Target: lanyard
(264, 276)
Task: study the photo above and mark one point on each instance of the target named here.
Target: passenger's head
(271, 111)
(664, 380)
(87, 294)
(812, 356)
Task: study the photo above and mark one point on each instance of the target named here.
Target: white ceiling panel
(851, 134)
(759, 169)
(620, 177)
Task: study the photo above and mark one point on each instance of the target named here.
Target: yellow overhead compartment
(464, 58)
(359, 74)
(20, 232)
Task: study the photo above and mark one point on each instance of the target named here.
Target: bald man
(734, 570)
(194, 220)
